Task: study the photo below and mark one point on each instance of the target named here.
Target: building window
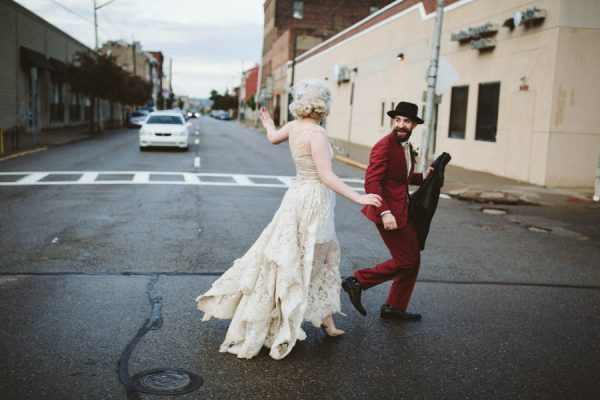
(458, 112)
(57, 108)
(487, 111)
(74, 108)
(391, 108)
(382, 113)
(298, 9)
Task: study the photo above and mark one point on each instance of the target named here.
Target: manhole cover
(494, 211)
(167, 381)
(539, 229)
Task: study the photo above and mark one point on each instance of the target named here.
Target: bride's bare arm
(319, 147)
(275, 136)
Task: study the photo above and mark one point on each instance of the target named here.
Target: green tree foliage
(99, 77)
(224, 101)
(160, 101)
(251, 102)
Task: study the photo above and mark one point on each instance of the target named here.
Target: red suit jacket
(387, 176)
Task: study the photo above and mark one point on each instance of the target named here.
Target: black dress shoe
(351, 285)
(396, 313)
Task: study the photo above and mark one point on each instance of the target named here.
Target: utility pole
(431, 81)
(134, 58)
(170, 75)
(96, 8)
(95, 27)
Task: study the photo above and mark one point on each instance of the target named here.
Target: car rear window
(138, 114)
(165, 119)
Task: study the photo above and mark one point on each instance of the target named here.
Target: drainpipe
(597, 191)
(431, 81)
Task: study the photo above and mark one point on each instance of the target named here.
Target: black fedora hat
(408, 110)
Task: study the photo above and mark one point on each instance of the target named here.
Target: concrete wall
(574, 139)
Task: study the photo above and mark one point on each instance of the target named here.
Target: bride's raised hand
(266, 119)
(370, 199)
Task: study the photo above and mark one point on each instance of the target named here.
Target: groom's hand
(389, 222)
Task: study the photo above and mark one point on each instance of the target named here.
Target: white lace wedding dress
(290, 274)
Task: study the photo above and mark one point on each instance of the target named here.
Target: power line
(71, 11)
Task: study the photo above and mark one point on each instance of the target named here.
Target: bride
(291, 273)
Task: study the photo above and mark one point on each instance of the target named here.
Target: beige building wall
(575, 124)
(555, 57)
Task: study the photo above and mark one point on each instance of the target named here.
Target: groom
(390, 171)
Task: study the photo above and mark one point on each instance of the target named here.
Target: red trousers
(402, 268)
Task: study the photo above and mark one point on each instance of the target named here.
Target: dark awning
(31, 58)
(58, 66)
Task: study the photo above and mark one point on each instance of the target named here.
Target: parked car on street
(138, 117)
(165, 129)
(220, 114)
(193, 114)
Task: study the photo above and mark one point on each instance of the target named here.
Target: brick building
(248, 89)
(293, 26)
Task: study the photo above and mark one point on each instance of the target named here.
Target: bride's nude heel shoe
(329, 331)
(332, 333)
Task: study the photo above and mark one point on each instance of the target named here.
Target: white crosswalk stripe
(150, 178)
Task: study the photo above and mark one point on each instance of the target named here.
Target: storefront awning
(58, 66)
(31, 58)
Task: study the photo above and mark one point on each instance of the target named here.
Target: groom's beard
(402, 138)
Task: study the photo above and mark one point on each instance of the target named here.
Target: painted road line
(88, 177)
(242, 180)
(197, 162)
(32, 178)
(190, 178)
(141, 177)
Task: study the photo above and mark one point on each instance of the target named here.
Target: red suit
(388, 177)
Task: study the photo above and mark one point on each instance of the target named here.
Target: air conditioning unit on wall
(341, 73)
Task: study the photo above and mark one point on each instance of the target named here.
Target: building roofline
(380, 18)
(19, 7)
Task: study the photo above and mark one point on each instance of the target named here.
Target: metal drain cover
(167, 381)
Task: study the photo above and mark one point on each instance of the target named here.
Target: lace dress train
(289, 275)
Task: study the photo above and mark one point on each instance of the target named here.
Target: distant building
(157, 77)
(518, 81)
(294, 26)
(33, 58)
(131, 57)
(248, 89)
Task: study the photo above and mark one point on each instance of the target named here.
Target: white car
(138, 118)
(165, 129)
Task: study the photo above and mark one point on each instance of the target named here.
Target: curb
(351, 162)
(24, 153)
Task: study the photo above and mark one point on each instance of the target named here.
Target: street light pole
(431, 81)
(95, 27)
(96, 8)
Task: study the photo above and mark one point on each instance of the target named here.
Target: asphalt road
(508, 313)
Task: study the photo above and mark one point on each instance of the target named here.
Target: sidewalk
(30, 143)
(486, 188)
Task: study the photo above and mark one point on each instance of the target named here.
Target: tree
(223, 102)
(160, 101)
(99, 77)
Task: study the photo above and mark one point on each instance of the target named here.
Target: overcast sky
(208, 40)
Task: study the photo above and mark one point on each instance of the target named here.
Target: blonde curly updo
(312, 99)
